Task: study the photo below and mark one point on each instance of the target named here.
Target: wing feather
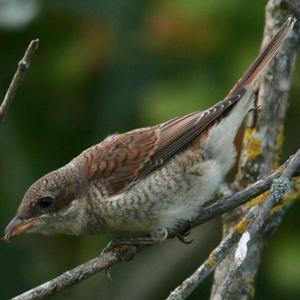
(123, 159)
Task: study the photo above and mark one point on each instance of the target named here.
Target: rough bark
(262, 145)
(71, 277)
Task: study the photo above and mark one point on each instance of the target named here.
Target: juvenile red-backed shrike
(148, 180)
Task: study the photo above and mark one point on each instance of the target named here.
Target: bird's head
(49, 206)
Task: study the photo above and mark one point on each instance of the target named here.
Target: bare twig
(279, 187)
(23, 66)
(262, 145)
(216, 256)
(227, 203)
(112, 257)
(240, 231)
(84, 271)
(235, 200)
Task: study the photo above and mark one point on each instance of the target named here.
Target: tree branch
(23, 66)
(124, 253)
(214, 259)
(262, 145)
(73, 276)
(256, 217)
(279, 187)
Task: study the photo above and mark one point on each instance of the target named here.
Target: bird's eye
(45, 202)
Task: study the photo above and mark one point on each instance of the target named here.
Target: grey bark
(71, 277)
(278, 189)
(264, 132)
(244, 233)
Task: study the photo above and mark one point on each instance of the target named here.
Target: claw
(107, 271)
(109, 247)
(187, 232)
(181, 238)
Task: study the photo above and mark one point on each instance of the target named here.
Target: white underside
(222, 155)
(164, 199)
(187, 205)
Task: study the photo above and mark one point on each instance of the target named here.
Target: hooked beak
(17, 226)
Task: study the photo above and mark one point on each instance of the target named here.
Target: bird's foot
(159, 235)
(184, 233)
(125, 251)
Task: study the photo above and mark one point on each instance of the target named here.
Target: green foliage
(110, 66)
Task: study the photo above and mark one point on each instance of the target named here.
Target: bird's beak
(17, 226)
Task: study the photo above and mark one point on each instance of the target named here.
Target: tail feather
(220, 140)
(264, 57)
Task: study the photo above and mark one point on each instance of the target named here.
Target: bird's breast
(172, 194)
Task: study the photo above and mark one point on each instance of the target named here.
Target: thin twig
(262, 145)
(214, 259)
(241, 197)
(23, 66)
(278, 188)
(235, 200)
(256, 217)
(69, 278)
(111, 257)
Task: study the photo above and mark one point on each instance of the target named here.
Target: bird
(147, 181)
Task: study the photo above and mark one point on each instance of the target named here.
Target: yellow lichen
(292, 196)
(253, 143)
(212, 259)
(276, 208)
(258, 200)
(242, 226)
(250, 283)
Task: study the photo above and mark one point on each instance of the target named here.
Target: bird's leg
(184, 233)
(154, 237)
(129, 241)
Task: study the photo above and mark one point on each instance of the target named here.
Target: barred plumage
(146, 179)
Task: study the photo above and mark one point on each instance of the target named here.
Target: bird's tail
(239, 101)
(264, 57)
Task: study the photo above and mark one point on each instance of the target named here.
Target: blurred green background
(110, 66)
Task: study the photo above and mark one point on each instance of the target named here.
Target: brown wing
(118, 159)
(125, 158)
